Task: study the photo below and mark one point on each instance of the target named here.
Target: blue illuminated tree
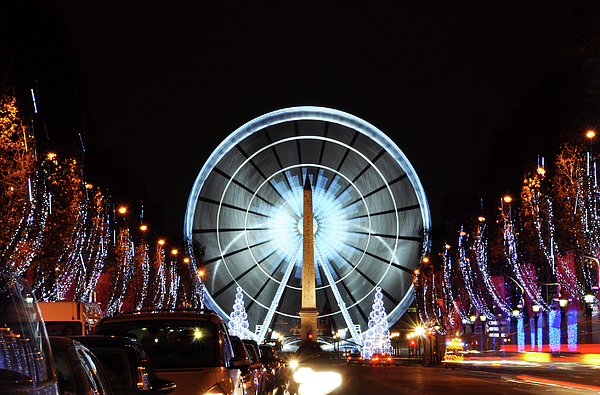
(238, 326)
(378, 335)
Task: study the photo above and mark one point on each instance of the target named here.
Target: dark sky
(168, 81)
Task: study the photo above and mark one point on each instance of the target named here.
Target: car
(127, 366)
(78, 370)
(354, 358)
(186, 346)
(273, 364)
(22, 333)
(381, 359)
(256, 364)
(251, 376)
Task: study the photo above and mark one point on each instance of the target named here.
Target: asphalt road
(362, 380)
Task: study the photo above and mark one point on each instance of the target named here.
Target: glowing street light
(563, 302)
(161, 242)
(143, 228)
(122, 210)
(541, 171)
(590, 134)
(507, 199)
(174, 251)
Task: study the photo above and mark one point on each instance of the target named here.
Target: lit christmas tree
(378, 335)
(238, 326)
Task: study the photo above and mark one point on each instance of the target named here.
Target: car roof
(104, 341)
(184, 314)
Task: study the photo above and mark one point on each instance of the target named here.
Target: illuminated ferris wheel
(371, 219)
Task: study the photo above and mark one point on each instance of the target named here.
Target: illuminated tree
(378, 335)
(238, 325)
(23, 211)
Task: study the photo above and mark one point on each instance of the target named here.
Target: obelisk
(308, 312)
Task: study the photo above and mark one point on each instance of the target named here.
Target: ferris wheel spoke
(387, 212)
(229, 230)
(386, 185)
(240, 185)
(234, 281)
(232, 253)
(354, 138)
(279, 293)
(336, 293)
(323, 143)
(368, 166)
(230, 206)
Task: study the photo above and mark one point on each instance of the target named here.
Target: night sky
(166, 82)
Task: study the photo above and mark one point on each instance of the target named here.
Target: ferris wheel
(370, 220)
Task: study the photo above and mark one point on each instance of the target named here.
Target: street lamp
(563, 302)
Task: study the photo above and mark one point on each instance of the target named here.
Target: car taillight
(143, 383)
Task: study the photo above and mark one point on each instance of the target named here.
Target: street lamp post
(536, 309)
(482, 318)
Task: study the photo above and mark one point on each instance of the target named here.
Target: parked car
(26, 365)
(354, 358)
(250, 376)
(381, 359)
(256, 364)
(189, 347)
(274, 366)
(77, 369)
(126, 365)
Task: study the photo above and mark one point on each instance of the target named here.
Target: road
(389, 380)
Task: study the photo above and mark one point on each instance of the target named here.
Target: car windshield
(171, 344)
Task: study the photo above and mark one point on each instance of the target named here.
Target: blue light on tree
(554, 330)
(572, 329)
(520, 334)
